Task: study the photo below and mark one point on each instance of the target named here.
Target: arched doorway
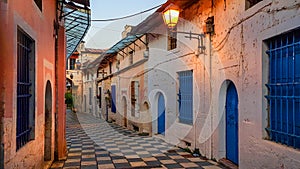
(48, 123)
(124, 103)
(161, 115)
(232, 137)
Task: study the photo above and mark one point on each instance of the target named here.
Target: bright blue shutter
(284, 89)
(185, 97)
(113, 100)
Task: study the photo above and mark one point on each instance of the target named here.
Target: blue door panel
(161, 115)
(113, 100)
(232, 124)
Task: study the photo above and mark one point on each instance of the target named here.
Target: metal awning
(76, 15)
(108, 55)
(123, 43)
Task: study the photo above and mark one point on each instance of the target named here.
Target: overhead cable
(124, 17)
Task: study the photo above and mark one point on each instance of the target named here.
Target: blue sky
(105, 34)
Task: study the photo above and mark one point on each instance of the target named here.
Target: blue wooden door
(113, 99)
(161, 115)
(232, 124)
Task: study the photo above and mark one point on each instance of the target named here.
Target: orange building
(35, 43)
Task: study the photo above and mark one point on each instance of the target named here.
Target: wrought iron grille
(284, 89)
(172, 40)
(24, 88)
(185, 97)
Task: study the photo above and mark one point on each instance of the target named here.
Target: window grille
(185, 97)
(134, 97)
(172, 40)
(284, 89)
(25, 89)
(72, 63)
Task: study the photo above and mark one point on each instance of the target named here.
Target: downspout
(56, 79)
(210, 79)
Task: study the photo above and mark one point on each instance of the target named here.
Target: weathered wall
(39, 26)
(238, 55)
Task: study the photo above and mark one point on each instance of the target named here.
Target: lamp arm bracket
(191, 35)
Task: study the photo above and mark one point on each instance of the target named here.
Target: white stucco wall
(236, 53)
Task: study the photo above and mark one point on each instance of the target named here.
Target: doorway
(161, 115)
(124, 102)
(232, 138)
(48, 123)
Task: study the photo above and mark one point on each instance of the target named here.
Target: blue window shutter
(113, 100)
(185, 97)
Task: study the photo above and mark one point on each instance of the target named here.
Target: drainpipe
(210, 79)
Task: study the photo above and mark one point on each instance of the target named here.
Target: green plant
(69, 100)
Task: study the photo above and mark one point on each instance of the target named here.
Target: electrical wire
(124, 17)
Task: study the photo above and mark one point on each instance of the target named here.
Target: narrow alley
(150, 84)
(94, 143)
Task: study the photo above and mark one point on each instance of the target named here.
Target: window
(131, 57)
(250, 3)
(118, 65)
(284, 89)
(172, 40)
(185, 96)
(39, 3)
(110, 67)
(72, 64)
(90, 95)
(134, 97)
(25, 89)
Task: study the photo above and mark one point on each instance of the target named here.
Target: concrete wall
(39, 26)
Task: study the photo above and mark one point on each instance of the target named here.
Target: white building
(238, 99)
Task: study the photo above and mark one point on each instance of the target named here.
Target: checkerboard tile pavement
(92, 143)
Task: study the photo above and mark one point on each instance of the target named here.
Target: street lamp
(171, 17)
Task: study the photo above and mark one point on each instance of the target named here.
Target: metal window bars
(284, 89)
(24, 84)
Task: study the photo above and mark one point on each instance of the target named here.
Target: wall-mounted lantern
(171, 15)
(171, 18)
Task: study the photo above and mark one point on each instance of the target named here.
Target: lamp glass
(170, 17)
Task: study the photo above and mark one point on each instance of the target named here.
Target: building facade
(33, 41)
(89, 74)
(225, 82)
(121, 83)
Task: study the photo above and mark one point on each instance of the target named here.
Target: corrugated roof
(76, 15)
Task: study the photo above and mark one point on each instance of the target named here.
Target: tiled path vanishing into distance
(93, 143)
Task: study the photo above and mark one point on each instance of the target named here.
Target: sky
(103, 35)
